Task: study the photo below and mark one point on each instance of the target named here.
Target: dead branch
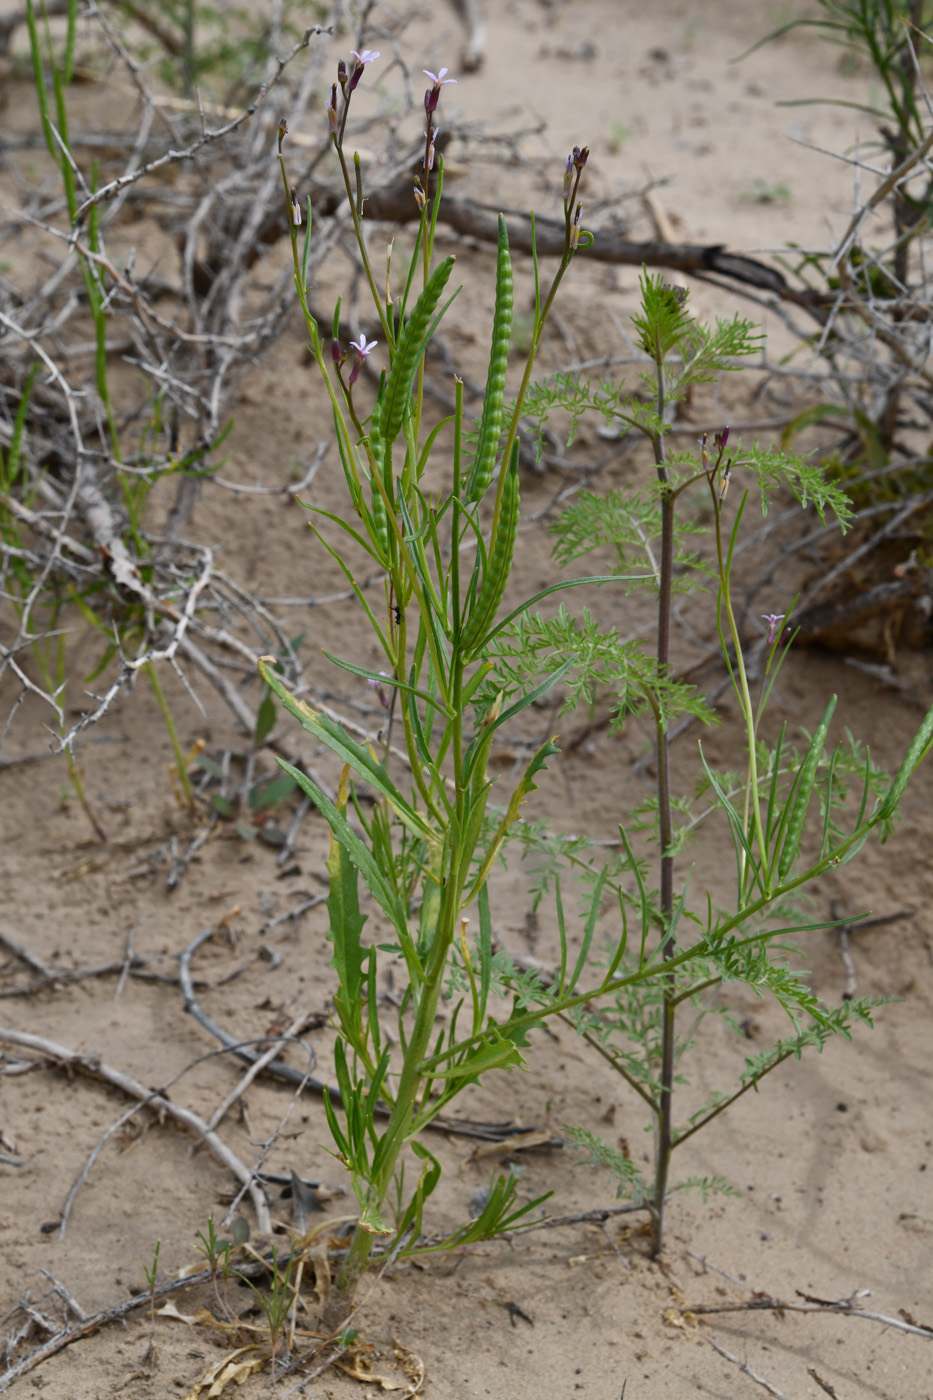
(258, 1065)
(96, 1069)
(846, 1307)
(116, 1313)
(210, 137)
(277, 1069)
(744, 1368)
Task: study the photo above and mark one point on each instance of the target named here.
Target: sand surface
(830, 1159)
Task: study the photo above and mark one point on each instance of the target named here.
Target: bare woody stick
(98, 1070)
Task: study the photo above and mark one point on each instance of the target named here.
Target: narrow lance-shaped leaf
(525, 786)
(346, 926)
(362, 760)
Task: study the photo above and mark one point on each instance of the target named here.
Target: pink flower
(363, 347)
(377, 687)
(367, 56)
(774, 621)
(433, 93)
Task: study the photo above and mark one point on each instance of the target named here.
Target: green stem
(651, 970)
(180, 764)
(740, 680)
(665, 836)
(361, 241)
(411, 1080)
(727, 1103)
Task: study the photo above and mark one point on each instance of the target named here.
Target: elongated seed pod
(408, 351)
(498, 565)
(805, 784)
(380, 521)
(917, 752)
(491, 422)
(377, 467)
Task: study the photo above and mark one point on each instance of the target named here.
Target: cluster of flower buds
(574, 168)
(722, 465)
(348, 81)
(363, 348)
(431, 98)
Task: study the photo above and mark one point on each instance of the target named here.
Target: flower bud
(575, 226)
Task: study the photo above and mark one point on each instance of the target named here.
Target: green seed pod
(377, 467)
(380, 522)
(498, 566)
(408, 352)
(491, 423)
(805, 785)
(917, 752)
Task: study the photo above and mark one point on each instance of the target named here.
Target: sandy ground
(831, 1158)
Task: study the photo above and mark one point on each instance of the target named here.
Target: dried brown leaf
(227, 1371)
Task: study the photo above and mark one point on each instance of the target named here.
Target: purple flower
(433, 93)
(774, 621)
(363, 347)
(367, 56)
(377, 687)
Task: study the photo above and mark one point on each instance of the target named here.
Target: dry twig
(95, 1069)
